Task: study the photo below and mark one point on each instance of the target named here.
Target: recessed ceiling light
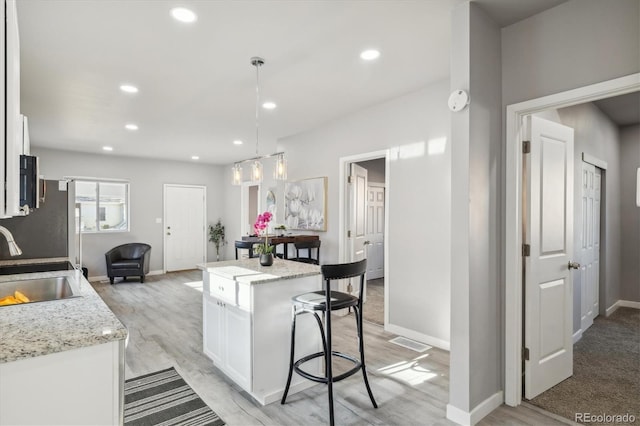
(107, 148)
(238, 142)
(127, 88)
(370, 55)
(131, 126)
(183, 14)
(195, 157)
(269, 105)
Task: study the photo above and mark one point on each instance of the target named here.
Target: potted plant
(261, 228)
(281, 228)
(217, 237)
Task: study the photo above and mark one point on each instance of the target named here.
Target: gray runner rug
(164, 398)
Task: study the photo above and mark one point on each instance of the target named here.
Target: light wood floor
(164, 318)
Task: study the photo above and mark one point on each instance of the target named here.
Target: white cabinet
(247, 329)
(82, 386)
(12, 122)
(227, 339)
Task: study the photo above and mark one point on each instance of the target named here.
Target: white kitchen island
(247, 323)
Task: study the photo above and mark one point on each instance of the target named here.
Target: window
(104, 205)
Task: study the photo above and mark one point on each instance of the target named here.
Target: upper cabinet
(12, 125)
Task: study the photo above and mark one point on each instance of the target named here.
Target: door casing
(343, 221)
(513, 212)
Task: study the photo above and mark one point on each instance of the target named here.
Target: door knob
(573, 265)
(366, 243)
(168, 233)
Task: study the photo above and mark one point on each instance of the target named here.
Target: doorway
(374, 236)
(249, 206)
(364, 226)
(185, 227)
(515, 354)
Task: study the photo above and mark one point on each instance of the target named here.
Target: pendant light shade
(256, 171)
(237, 174)
(280, 172)
(257, 175)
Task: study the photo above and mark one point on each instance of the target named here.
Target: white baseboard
(577, 336)
(478, 413)
(106, 278)
(420, 337)
(622, 304)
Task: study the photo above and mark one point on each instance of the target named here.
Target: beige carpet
(606, 372)
(374, 306)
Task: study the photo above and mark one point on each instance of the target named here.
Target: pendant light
(256, 168)
(257, 175)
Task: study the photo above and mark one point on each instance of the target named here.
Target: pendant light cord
(257, 62)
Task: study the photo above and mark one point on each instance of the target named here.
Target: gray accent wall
(146, 178)
(375, 170)
(572, 45)
(476, 293)
(629, 214)
(42, 233)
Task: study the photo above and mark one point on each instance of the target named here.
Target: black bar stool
(327, 301)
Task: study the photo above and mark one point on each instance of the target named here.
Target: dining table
(285, 240)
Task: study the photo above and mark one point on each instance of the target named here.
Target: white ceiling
(197, 86)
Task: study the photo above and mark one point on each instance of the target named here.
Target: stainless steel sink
(40, 289)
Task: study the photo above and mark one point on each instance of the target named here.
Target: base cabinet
(227, 339)
(247, 332)
(76, 387)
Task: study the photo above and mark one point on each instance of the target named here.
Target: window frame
(97, 182)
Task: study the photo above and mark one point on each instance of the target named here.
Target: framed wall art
(306, 204)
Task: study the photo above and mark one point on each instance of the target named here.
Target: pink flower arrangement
(261, 227)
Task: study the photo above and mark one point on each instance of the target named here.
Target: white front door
(185, 230)
(590, 245)
(548, 209)
(375, 231)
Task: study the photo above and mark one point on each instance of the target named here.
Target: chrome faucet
(14, 250)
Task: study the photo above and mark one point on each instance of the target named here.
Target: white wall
(419, 197)
(147, 178)
(629, 214)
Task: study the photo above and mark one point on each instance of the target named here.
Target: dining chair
(308, 248)
(245, 245)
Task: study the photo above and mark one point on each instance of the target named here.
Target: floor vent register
(410, 344)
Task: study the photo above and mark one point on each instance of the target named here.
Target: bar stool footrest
(323, 379)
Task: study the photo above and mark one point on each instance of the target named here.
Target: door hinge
(526, 250)
(526, 147)
(348, 234)
(525, 354)
(349, 179)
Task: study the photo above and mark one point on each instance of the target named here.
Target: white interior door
(375, 231)
(357, 227)
(185, 227)
(590, 245)
(358, 212)
(548, 209)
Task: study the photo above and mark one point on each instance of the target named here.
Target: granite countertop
(250, 271)
(41, 328)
